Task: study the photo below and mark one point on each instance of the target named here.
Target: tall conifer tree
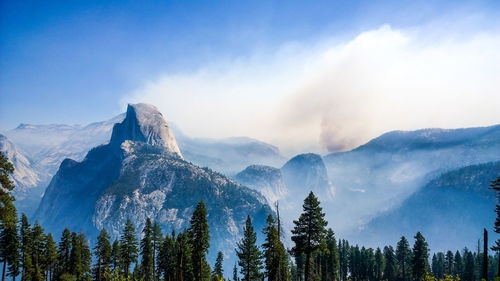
(167, 258)
(147, 251)
(271, 251)
(184, 252)
(6, 199)
(458, 265)
(404, 258)
(75, 260)
(156, 239)
(116, 257)
(249, 255)
(26, 249)
(200, 239)
(218, 270)
(64, 252)
(420, 257)
(332, 257)
(102, 252)
(9, 242)
(128, 247)
(390, 272)
(309, 231)
(469, 274)
(37, 251)
(50, 254)
(86, 257)
(379, 265)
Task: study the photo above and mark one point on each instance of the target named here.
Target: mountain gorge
(450, 210)
(382, 173)
(140, 173)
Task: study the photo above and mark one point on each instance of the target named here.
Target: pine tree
(184, 250)
(86, 257)
(75, 259)
(458, 265)
(309, 231)
(116, 256)
(495, 185)
(9, 242)
(8, 214)
(420, 257)
(167, 257)
(102, 252)
(448, 263)
(50, 254)
(26, 249)
(147, 252)
(249, 256)
(332, 257)
(435, 266)
(37, 251)
(379, 265)
(438, 265)
(218, 271)
(469, 265)
(271, 254)
(157, 239)
(344, 251)
(404, 258)
(6, 200)
(64, 252)
(390, 272)
(128, 247)
(200, 238)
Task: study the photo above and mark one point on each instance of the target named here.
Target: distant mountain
(49, 145)
(229, 155)
(380, 174)
(450, 210)
(307, 172)
(26, 178)
(140, 173)
(267, 180)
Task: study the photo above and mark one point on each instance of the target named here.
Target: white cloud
(338, 95)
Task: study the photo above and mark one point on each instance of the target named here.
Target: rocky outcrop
(267, 180)
(144, 123)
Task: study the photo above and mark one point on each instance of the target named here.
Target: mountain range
(45, 146)
(141, 174)
(367, 193)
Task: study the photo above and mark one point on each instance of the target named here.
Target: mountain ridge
(138, 179)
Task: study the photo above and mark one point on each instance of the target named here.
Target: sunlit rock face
(144, 123)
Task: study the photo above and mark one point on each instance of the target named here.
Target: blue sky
(79, 61)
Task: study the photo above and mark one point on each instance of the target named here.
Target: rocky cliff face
(24, 175)
(144, 123)
(307, 172)
(26, 178)
(267, 180)
(141, 174)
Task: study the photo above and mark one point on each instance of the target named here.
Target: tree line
(27, 251)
